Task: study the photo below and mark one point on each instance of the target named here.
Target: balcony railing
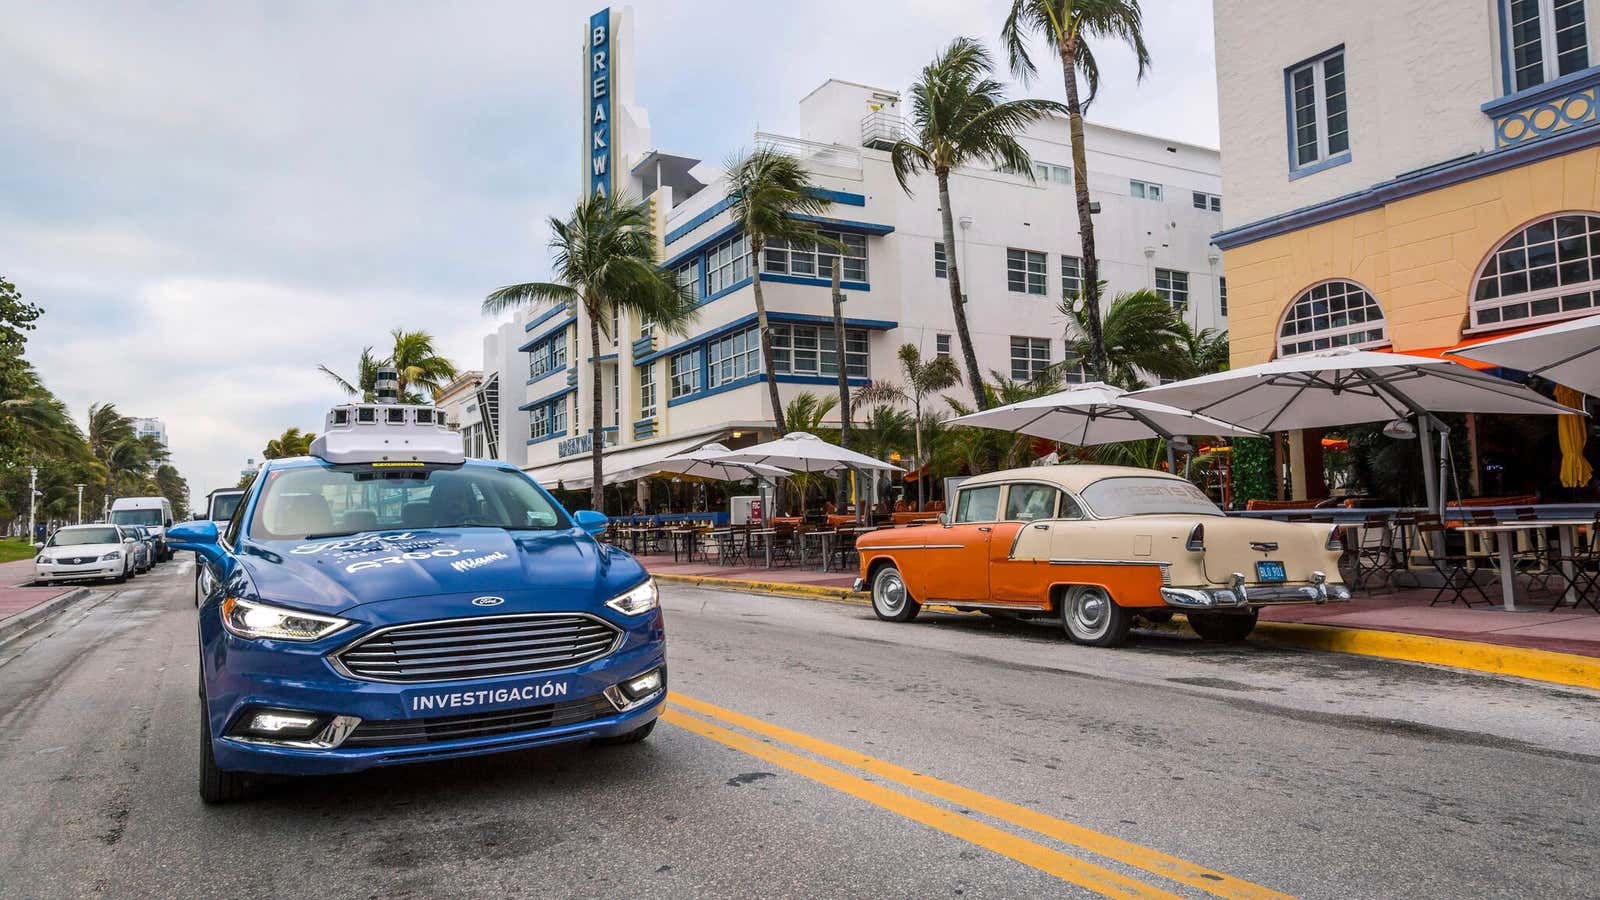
(812, 153)
(881, 129)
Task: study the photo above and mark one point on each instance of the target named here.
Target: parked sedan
(1098, 546)
(145, 549)
(79, 552)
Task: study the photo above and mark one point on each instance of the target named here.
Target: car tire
(1223, 628)
(216, 785)
(122, 578)
(891, 599)
(1090, 617)
(630, 737)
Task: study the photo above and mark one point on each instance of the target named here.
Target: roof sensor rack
(402, 434)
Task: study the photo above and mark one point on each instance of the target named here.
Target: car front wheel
(1092, 618)
(891, 600)
(216, 786)
(1223, 628)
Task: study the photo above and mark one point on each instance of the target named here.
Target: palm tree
(604, 258)
(980, 448)
(768, 189)
(1141, 336)
(923, 378)
(1207, 349)
(365, 384)
(291, 443)
(1067, 25)
(960, 116)
(419, 365)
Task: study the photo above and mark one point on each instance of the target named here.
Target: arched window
(1332, 314)
(1548, 270)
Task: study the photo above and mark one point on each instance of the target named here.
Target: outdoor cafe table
(766, 541)
(1566, 530)
(824, 538)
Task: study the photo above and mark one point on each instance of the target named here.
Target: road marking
(1139, 856)
(1052, 862)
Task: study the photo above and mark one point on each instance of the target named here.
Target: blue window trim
(700, 246)
(1297, 172)
(546, 316)
(1478, 165)
(758, 378)
(547, 398)
(746, 320)
(843, 198)
(546, 335)
(608, 357)
(815, 282)
(1539, 93)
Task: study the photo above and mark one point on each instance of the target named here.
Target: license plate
(1271, 571)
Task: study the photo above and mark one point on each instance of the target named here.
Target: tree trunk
(844, 380)
(1080, 184)
(958, 303)
(765, 331)
(922, 476)
(597, 493)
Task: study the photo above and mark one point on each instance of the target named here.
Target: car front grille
(411, 732)
(481, 647)
(75, 560)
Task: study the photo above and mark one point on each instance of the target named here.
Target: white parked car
(79, 552)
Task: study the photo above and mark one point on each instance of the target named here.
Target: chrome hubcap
(1089, 612)
(891, 592)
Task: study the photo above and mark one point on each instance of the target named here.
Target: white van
(155, 512)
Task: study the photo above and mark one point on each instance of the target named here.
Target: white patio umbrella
(800, 451)
(1567, 353)
(709, 461)
(1349, 387)
(1097, 413)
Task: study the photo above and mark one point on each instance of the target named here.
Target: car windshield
(326, 501)
(74, 537)
(1140, 496)
(222, 507)
(136, 516)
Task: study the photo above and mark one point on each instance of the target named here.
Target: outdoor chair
(783, 545)
(1584, 582)
(1374, 550)
(1458, 570)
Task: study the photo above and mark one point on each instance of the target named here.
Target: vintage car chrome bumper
(858, 585)
(1237, 594)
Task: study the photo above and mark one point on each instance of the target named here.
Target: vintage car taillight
(1335, 539)
(1197, 539)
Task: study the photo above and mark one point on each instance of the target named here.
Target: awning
(577, 472)
(1439, 352)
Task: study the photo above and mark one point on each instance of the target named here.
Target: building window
(616, 396)
(938, 259)
(1144, 190)
(1317, 112)
(732, 357)
(1222, 295)
(817, 262)
(1029, 357)
(1173, 287)
(1050, 173)
(1332, 314)
(1203, 200)
(539, 422)
(683, 374)
(727, 264)
(1024, 271)
(558, 415)
(1071, 276)
(1075, 373)
(689, 280)
(941, 345)
(556, 412)
(647, 391)
(1546, 39)
(1549, 270)
(548, 356)
(809, 350)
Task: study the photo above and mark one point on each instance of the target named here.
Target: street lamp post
(80, 488)
(33, 491)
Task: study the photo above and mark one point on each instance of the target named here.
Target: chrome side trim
(891, 547)
(964, 604)
(1107, 562)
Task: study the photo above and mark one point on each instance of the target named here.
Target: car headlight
(45, 561)
(249, 619)
(115, 554)
(638, 601)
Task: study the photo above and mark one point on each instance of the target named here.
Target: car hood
(568, 567)
(80, 550)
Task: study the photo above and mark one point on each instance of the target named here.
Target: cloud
(211, 199)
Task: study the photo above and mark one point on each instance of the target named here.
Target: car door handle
(984, 528)
(1042, 527)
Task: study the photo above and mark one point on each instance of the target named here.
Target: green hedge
(1252, 471)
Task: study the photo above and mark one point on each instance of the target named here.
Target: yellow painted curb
(1521, 662)
(1495, 659)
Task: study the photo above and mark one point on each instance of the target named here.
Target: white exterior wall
(500, 355)
(143, 426)
(1417, 73)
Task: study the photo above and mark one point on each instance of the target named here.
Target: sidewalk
(17, 598)
(1397, 612)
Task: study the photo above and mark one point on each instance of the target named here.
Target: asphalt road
(811, 750)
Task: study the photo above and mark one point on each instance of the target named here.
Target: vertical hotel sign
(598, 84)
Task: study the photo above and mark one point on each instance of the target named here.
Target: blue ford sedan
(372, 608)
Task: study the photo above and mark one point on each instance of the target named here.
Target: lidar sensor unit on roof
(396, 433)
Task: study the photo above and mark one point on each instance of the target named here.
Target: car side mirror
(593, 522)
(944, 518)
(199, 536)
(168, 525)
(38, 545)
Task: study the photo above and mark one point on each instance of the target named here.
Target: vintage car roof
(1073, 477)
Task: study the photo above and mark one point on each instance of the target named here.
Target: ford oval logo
(488, 601)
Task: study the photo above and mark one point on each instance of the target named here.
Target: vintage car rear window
(1135, 496)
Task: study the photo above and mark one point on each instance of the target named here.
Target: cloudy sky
(209, 199)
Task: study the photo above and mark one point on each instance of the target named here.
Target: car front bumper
(109, 568)
(371, 723)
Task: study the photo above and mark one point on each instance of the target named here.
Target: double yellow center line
(1069, 868)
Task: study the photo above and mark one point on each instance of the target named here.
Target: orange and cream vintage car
(1098, 546)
